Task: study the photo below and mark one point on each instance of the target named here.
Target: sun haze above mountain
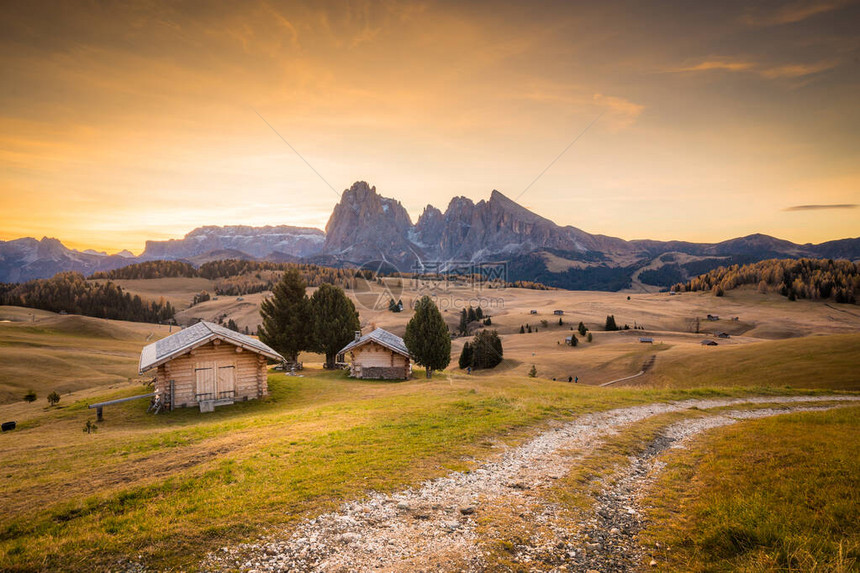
(126, 122)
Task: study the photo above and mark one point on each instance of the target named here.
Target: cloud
(795, 70)
(724, 65)
(792, 13)
(821, 207)
(620, 113)
(770, 72)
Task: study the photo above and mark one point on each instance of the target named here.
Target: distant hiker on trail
(576, 380)
(468, 370)
(570, 378)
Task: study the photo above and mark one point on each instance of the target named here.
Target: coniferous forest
(72, 293)
(816, 279)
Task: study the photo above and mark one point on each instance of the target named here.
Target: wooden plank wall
(251, 379)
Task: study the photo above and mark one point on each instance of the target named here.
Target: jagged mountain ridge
(366, 227)
(256, 242)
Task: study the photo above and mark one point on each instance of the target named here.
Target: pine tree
(427, 337)
(334, 321)
(581, 328)
(522, 329)
(560, 321)
(464, 323)
(486, 349)
(286, 317)
(53, 398)
(472, 315)
(610, 323)
(479, 312)
(465, 356)
(533, 371)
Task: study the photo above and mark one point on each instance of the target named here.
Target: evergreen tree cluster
(470, 315)
(610, 323)
(816, 279)
(149, 270)
(236, 277)
(293, 322)
(72, 293)
(484, 351)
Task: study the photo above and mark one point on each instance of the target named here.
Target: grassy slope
(67, 353)
(170, 487)
(811, 362)
(773, 494)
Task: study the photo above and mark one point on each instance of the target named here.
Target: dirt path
(433, 528)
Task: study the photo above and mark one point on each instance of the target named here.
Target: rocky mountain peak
(365, 226)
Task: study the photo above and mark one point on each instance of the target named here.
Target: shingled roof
(382, 337)
(196, 335)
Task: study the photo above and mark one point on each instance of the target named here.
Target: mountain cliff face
(256, 242)
(366, 227)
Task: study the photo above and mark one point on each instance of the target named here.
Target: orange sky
(121, 123)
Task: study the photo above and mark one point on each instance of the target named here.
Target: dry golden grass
(67, 353)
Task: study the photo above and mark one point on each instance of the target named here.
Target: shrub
(533, 372)
(30, 396)
(53, 398)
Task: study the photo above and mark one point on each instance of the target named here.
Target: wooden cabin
(207, 365)
(377, 355)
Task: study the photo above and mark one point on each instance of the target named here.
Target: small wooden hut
(377, 355)
(207, 365)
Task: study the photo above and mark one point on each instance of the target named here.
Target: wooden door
(226, 381)
(206, 387)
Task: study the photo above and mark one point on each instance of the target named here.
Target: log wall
(249, 368)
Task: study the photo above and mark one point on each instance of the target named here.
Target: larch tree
(427, 337)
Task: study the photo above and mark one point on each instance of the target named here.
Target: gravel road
(435, 527)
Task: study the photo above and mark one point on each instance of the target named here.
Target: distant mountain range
(366, 227)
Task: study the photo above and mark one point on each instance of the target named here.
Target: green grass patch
(776, 494)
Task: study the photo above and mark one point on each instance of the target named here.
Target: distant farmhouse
(713, 317)
(558, 312)
(646, 340)
(709, 343)
(722, 335)
(207, 365)
(377, 355)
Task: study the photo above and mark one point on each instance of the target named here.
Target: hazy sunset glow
(125, 122)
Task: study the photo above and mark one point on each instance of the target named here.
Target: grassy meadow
(776, 494)
(170, 487)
